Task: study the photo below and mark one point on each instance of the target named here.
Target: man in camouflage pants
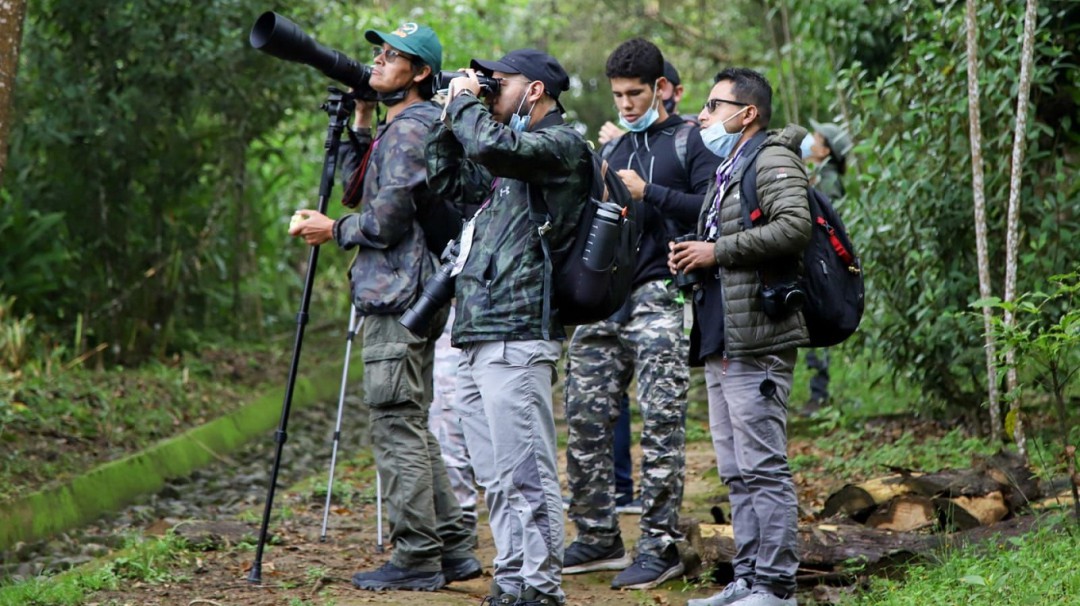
(645, 338)
(432, 545)
(501, 150)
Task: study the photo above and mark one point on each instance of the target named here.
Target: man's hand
(459, 85)
(609, 132)
(313, 226)
(688, 256)
(633, 182)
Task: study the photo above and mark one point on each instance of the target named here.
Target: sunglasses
(712, 104)
(390, 54)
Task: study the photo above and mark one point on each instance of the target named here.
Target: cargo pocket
(384, 373)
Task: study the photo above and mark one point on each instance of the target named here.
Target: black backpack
(580, 294)
(832, 279)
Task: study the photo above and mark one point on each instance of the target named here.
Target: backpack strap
(541, 218)
(751, 206)
(682, 136)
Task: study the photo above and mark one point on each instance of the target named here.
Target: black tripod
(339, 106)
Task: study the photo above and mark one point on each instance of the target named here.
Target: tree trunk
(12, 15)
(979, 196)
(1012, 242)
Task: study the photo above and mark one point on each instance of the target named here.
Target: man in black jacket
(663, 162)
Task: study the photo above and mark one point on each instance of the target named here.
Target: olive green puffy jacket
(781, 189)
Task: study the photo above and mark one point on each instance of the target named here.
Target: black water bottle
(603, 237)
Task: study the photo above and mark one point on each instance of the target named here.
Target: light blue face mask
(519, 123)
(807, 142)
(718, 140)
(645, 121)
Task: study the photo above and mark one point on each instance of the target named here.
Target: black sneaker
(498, 597)
(580, 557)
(532, 597)
(461, 569)
(649, 571)
(392, 577)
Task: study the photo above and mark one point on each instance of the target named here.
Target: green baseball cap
(419, 40)
(836, 136)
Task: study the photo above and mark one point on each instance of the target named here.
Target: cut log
(858, 500)
(969, 512)
(903, 514)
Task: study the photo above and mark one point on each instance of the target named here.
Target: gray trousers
(504, 401)
(749, 434)
(425, 518)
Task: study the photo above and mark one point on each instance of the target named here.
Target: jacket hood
(790, 136)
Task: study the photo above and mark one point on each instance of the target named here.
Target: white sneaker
(765, 598)
(731, 594)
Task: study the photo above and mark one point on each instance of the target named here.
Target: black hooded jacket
(673, 192)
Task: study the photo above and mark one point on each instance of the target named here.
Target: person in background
(825, 152)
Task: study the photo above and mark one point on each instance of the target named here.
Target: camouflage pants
(446, 425)
(603, 358)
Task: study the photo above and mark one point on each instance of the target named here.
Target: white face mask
(805, 146)
(718, 140)
(644, 121)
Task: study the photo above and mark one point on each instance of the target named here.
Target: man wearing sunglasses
(750, 357)
(386, 179)
(644, 340)
(498, 152)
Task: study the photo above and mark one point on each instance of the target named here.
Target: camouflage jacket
(740, 252)
(392, 261)
(500, 288)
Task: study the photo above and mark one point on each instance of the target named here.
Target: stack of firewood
(891, 519)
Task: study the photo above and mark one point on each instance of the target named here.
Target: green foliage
(911, 210)
(1035, 569)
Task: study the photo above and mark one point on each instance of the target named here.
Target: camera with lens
(685, 281)
(278, 37)
(489, 87)
(780, 300)
(438, 291)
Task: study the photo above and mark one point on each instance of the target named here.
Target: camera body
(685, 281)
(438, 291)
(782, 299)
(489, 87)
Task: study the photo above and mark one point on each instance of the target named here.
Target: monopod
(339, 107)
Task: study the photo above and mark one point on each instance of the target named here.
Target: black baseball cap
(534, 65)
(671, 73)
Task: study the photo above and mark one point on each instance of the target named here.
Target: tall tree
(978, 191)
(12, 13)
(1012, 240)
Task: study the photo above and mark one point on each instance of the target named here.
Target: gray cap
(836, 136)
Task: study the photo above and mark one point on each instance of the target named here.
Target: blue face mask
(518, 122)
(645, 121)
(718, 140)
(807, 141)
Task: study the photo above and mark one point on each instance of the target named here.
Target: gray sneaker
(764, 597)
(734, 592)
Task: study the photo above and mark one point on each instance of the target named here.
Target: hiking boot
(392, 577)
(498, 597)
(648, 571)
(580, 557)
(732, 593)
(461, 569)
(764, 597)
(532, 597)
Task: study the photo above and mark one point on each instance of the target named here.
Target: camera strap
(354, 193)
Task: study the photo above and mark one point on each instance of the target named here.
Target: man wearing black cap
(432, 545)
(498, 152)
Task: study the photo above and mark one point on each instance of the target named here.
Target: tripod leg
(378, 514)
(354, 328)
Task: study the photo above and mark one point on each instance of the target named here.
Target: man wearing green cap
(432, 545)
(504, 151)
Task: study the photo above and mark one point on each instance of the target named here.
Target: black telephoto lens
(437, 292)
(277, 36)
